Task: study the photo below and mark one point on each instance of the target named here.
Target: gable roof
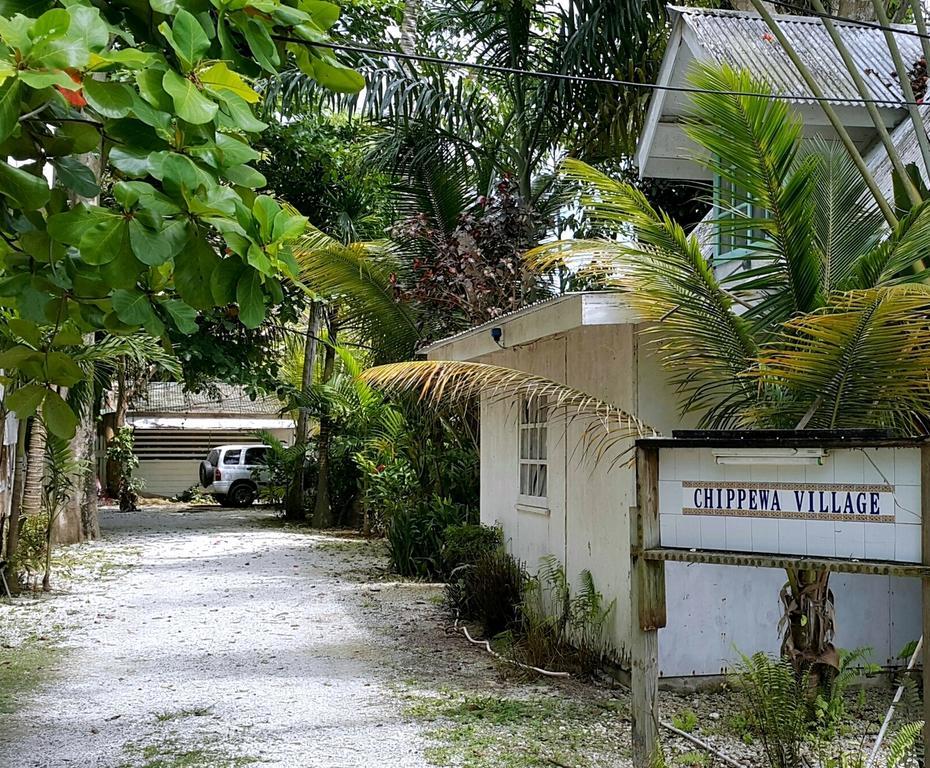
(743, 40)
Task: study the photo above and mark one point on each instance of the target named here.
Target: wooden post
(648, 609)
(925, 585)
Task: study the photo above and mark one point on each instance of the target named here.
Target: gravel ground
(195, 637)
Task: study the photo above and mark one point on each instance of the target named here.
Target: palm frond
(362, 273)
(898, 258)
(860, 362)
(671, 285)
(753, 142)
(846, 222)
(440, 384)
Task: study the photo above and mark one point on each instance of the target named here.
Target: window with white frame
(534, 415)
(735, 212)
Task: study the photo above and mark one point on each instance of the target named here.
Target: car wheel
(206, 473)
(220, 498)
(242, 495)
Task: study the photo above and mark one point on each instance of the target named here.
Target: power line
(501, 69)
(864, 23)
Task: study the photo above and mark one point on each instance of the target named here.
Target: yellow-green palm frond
(363, 274)
(860, 362)
(753, 143)
(704, 344)
(443, 383)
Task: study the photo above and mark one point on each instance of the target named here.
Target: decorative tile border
(787, 515)
(774, 486)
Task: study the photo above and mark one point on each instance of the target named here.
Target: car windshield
(213, 457)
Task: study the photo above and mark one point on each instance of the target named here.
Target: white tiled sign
(861, 503)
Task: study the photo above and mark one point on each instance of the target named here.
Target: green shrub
(466, 544)
(561, 631)
(415, 536)
(488, 591)
(685, 721)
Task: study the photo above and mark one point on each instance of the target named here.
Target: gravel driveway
(215, 638)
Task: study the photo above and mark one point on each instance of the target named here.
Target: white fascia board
(656, 104)
(536, 322)
(201, 423)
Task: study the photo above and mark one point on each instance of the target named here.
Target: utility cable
(501, 69)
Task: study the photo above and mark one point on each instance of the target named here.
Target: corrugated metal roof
(744, 41)
(226, 399)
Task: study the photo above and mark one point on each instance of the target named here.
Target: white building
(174, 430)
(555, 500)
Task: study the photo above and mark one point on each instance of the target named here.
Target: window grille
(534, 416)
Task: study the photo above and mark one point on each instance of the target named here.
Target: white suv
(232, 474)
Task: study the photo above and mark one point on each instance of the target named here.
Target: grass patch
(167, 717)
(23, 669)
(472, 731)
(94, 562)
(169, 753)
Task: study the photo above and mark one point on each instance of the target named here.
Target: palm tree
(827, 327)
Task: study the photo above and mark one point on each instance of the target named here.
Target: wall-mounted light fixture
(496, 335)
(770, 455)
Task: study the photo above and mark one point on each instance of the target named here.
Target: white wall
(712, 610)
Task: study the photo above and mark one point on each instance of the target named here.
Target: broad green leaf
(123, 271)
(14, 358)
(154, 247)
(192, 273)
(337, 77)
(324, 14)
(70, 226)
(245, 176)
(235, 152)
(129, 193)
(224, 281)
(76, 176)
(62, 370)
(180, 172)
(287, 226)
(68, 337)
(58, 416)
(131, 161)
(259, 259)
(183, 315)
(86, 34)
(39, 79)
(105, 240)
(132, 307)
(25, 401)
(51, 24)
(236, 115)
(220, 78)
(251, 299)
(265, 209)
(124, 58)
(9, 107)
(261, 44)
(27, 330)
(150, 86)
(25, 190)
(108, 99)
(189, 103)
(187, 38)
(72, 139)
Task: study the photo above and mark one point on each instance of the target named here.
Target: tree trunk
(409, 26)
(294, 503)
(35, 469)
(808, 623)
(322, 511)
(113, 426)
(16, 507)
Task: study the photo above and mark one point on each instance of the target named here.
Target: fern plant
(906, 745)
(776, 702)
